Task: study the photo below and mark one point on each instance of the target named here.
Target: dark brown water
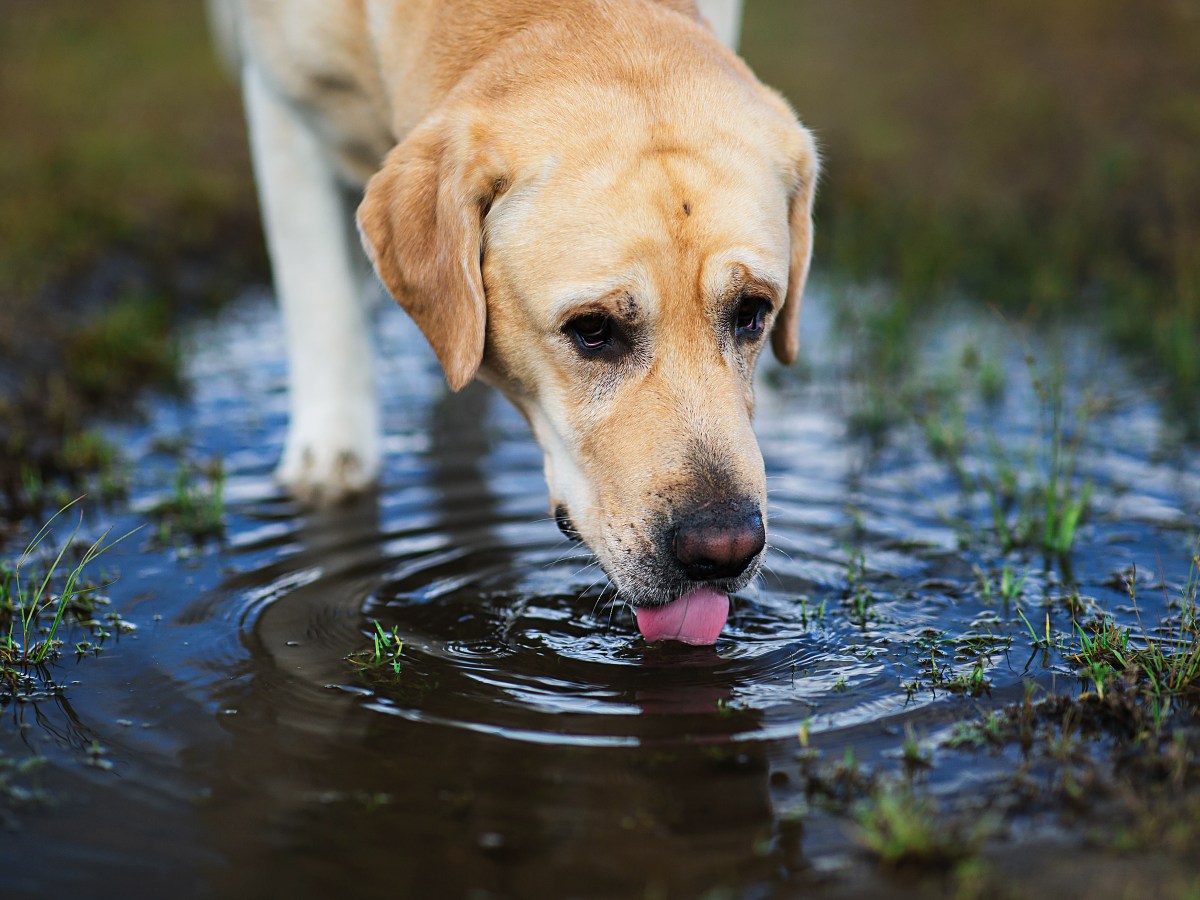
(533, 744)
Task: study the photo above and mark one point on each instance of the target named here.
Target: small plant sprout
(195, 510)
(384, 654)
(1011, 587)
(914, 756)
(973, 682)
(1045, 642)
(1062, 506)
(986, 589)
(860, 600)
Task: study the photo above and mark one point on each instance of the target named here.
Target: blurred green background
(1042, 156)
(1038, 156)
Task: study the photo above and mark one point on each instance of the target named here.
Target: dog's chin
(656, 584)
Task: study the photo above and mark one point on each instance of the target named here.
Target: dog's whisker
(578, 573)
(599, 601)
(582, 593)
(613, 607)
(571, 552)
(775, 548)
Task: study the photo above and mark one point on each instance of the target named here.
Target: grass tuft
(1154, 673)
(34, 608)
(860, 601)
(383, 655)
(195, 509)
(905, 830)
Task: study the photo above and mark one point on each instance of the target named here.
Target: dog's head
(614, 253)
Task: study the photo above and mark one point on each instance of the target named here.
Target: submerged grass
(1044, 512)
(860, 601)
(1127, 742)
(935, 673)
(19, 789)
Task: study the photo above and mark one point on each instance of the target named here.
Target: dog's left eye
(592, 333)
(751, 315)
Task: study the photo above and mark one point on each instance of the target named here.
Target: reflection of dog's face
(614, 262)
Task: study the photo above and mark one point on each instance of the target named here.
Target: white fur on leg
(333, 445)
(725, 17)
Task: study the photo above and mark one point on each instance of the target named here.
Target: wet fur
(526, 162)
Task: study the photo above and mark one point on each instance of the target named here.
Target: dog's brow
(597, 294)
(748, 277)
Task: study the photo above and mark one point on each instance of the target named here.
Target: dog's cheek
(566, 481)
(745, 364)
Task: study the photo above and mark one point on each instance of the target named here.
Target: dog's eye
(751, 316)
(592, 332)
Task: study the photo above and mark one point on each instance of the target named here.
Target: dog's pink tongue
(695, 618)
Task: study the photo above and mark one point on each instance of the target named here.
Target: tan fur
(545, 159)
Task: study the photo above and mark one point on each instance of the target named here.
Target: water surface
(533, 744)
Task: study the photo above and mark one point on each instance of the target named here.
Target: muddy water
(533, 744)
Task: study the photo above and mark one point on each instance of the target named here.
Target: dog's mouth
(696, 618)
(673, 602)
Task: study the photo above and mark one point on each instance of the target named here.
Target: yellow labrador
(593, 205)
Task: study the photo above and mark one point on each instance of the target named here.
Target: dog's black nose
(563, 519)
(719, 540)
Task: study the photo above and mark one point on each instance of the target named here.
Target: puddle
(532, 744)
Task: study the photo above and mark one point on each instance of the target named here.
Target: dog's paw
(325, 472)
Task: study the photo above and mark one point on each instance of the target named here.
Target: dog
(592, 205)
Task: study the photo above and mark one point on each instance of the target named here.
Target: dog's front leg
(333, 445)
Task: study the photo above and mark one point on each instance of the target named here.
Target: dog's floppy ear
(421, 223)
(785, 338)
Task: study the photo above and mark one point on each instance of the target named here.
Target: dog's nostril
(563, 520)
(719, 542)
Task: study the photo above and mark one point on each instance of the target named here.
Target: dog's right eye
(592, 333)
